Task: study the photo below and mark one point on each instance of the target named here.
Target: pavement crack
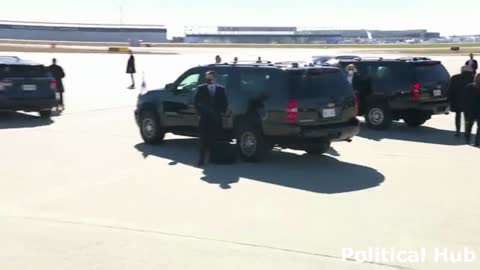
(199, 238)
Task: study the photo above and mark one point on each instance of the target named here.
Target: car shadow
(12, 120)
(318, 174)
(423, 134)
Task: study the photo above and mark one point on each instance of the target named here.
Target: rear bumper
(7, 104)
(439, 107)
(333, 133)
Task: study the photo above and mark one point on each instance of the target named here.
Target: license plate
(328, 113)
(437, 93)
(29, 87)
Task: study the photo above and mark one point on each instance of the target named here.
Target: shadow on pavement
(10, 120)
(319, 174)
(402, 132)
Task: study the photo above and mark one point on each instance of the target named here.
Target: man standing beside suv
(210, 102)
(472, 63)
(456, 93)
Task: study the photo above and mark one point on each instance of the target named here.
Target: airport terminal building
(294, 35)
(82, 32)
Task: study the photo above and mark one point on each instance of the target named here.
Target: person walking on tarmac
(58, 74)
(472, 63)
(210, 102)
(456, 93)
(131, 69)
(472, 110)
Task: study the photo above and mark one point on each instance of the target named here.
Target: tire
(150, 129)
(415, 120)
(379, 116)
(318, 148)
(45, 113)
(250, 141)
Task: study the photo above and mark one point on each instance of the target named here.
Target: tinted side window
(256, 82)
(389, 76)
(431, 73)
(319, 83)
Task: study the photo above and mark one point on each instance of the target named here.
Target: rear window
(22, 71)
(428, 72)
(319, 83)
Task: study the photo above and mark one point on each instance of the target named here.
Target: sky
(460, 17)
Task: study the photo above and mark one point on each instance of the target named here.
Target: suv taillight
(54, 85)
(416, 91)
(292, 112)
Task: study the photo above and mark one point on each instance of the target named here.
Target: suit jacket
(472, 101)
(209, 106)
(456, 90)
(131, 65)
(58, 73)
(474, 65)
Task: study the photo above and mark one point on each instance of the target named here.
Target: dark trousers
(458, 121)
(60, 102)
(470, 121)
(210, 131)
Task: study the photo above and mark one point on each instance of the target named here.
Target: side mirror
(169, 86)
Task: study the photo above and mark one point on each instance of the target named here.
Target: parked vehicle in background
(412, 89)
(325, 59)
(303, 108)
(26, 86)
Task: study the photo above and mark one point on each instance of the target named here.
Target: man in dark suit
(472, 63)
(456, 93)
(210, 102)
(131, 69)
(58, 74)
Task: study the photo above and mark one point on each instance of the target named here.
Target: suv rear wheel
(415, 119)
(318, 148)
(150, 128)
(378, 116)
(250, 142)
(45, 113)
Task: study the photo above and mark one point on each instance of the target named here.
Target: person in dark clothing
(456, 92)
(218, 60)
(210, 102)
(58, 74)
(472, 63)
(472, 110)
(131, 69)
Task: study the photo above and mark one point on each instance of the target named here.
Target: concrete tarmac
(82, 191)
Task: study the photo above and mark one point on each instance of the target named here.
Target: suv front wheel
(250, 142)
(379, 116)
(150, 128)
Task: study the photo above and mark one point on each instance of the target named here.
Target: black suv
(412, 89)
(26, 86)
(304, 108)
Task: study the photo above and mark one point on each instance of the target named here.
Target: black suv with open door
(26, 86)
(412, 89)
(303, 108)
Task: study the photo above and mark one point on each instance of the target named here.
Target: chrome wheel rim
(248, 144)
(149, 127)
(376, 116)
